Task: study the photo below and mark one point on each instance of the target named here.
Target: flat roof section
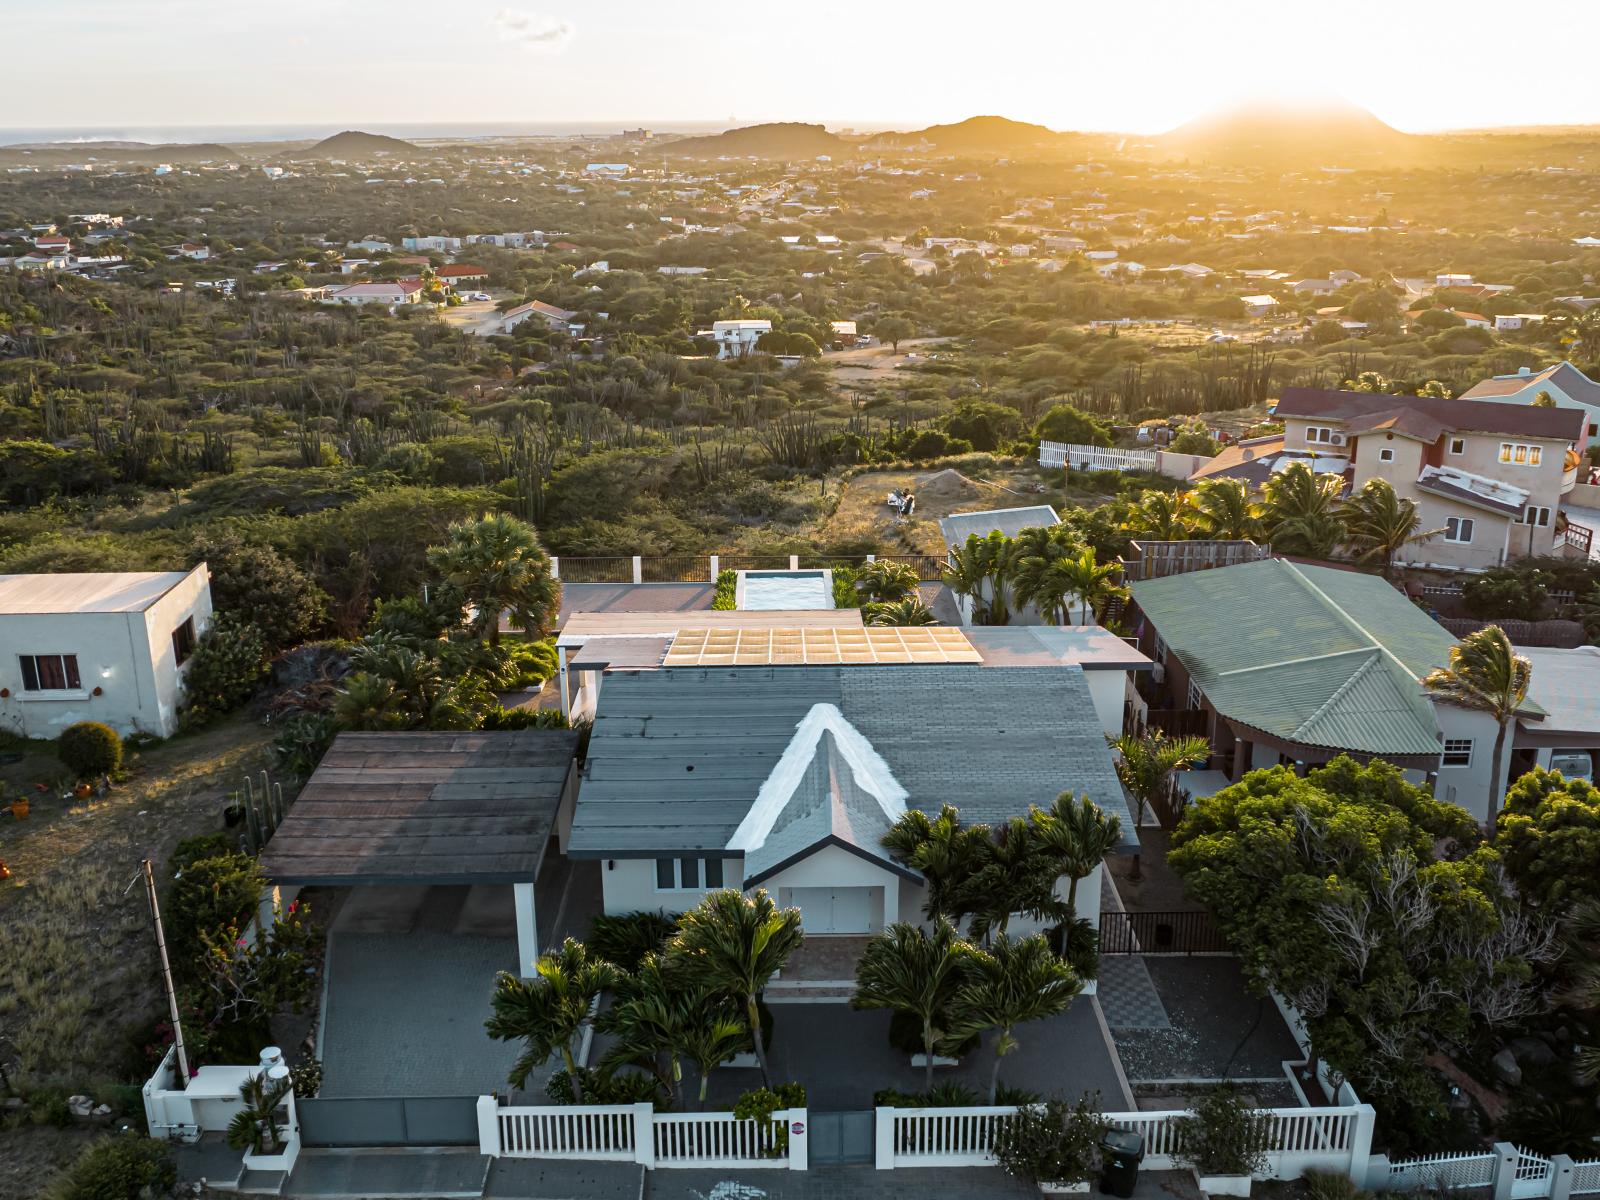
(85, 592)
(585, 625)
(420, 808)
(805, 647)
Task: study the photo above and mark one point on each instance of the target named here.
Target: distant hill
(782, 139)
(980, 135)
(1326, 132)
(352, 143)
(58, 153)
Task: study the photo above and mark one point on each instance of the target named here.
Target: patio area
(843, 1056)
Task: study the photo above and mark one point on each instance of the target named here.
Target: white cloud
(533, 31)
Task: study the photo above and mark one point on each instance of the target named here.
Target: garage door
(834, 910)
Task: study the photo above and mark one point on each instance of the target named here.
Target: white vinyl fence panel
(1094, 458)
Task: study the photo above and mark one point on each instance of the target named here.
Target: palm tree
(1380, 524)
(884, 580)
(735, 944)
(1076, 835)
(1145, 766)
(1093, 583)
(946, 853)
(903, 613)
(1011, 877)
(1006, 985)
(255, 1126)
(549, 1012)
(1487, 674)
(1301, 511)
(979, 569)
(1039, 572)
(909, 971)
(500, 567)
(662, 1011)
(1160, 517)
(1221, 509)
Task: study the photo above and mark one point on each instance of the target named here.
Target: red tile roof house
(53, 242)
(458, 273)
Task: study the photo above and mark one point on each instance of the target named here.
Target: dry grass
(78, 973)
(862, 516)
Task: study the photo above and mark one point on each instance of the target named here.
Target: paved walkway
(837, 1183)
(1128, 995)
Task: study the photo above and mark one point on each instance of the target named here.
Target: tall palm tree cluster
(1047, 567)
(694, 998)
(435, 663)
(889, 594)
(978, 877)
(1297, 510)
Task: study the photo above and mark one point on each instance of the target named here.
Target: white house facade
(107, 647)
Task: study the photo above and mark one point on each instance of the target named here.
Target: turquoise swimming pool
(785, 589)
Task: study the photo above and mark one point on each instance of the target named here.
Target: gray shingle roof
(678, 757)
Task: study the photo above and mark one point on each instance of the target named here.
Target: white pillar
(527, 929)
(716, 566)
(555, 567)
(489, 1126)
(644, 1134)
(561, 679)
(1505, 1169)
(794, 562)
(638, 569)
(883, 1139)
(798, 1155)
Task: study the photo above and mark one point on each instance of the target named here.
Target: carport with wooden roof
(420, 809)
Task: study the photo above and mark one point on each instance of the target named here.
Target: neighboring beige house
(105, 647)
(1488, 477)
(401, 291)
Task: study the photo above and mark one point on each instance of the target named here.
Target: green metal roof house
(1286, 663)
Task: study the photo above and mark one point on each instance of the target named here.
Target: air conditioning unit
(1336, 439)
(1158, 673)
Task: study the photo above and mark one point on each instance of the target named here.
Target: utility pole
(166, 974)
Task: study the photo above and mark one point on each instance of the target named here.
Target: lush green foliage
(1054, 1142)
(118, 1168)
(1225, 1135)
(226, 668)
(90, 749)
(206, 895)
(1548, 833)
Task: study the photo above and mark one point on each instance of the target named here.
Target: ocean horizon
(229, 134)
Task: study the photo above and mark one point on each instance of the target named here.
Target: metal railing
(1186, 932)
(703, 568)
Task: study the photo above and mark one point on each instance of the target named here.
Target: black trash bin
(1122, 1151)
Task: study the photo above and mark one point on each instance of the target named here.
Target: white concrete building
(105, 647)
(736, 339)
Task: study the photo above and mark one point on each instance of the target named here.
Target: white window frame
(702, 874)
(1160, 649)
(1537, 515)
(1466, 525)
(1386, 454)
(1521, 454)
(1319, 435)
(1197, 698)
(1458, 445)
(1456, 746)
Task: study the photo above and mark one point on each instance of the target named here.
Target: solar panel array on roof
(802, 647)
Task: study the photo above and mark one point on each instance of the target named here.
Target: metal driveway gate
(389, 1121)
(840, 1137)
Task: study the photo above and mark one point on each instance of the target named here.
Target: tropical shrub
(302, 741)
(1224, 1136)
(524, 718)
(119, 1168)
(224, 671)
(208, 894)
(1055, 1142)
(625, 939)
(727, 590)
(759, 1105)
(259, 585)
(89, 749)
(620, 1087)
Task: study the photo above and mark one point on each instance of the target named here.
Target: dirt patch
(36, 1152)
(78, 975)
(875, 362)
(863, 516)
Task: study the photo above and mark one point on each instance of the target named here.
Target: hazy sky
(1139, 65)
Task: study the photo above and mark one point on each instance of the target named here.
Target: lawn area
(79, 984)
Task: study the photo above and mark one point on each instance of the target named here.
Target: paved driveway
(843, 1056)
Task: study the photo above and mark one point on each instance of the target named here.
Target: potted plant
(1054, 1145)
(1224, 1142)
(20, 806)
(256, 1128)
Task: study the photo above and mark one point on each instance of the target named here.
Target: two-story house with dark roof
(1487, 478)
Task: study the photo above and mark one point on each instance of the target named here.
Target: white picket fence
(1094, 458)
(1510, 1172)
(637, 1133)
(1299, 1139)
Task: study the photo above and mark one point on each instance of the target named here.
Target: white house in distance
(1563, 382)
(736, 339)
(105, 647)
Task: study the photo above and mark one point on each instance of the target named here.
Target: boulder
(1532, 1052)
(1506, 1066)
(80, 1106)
